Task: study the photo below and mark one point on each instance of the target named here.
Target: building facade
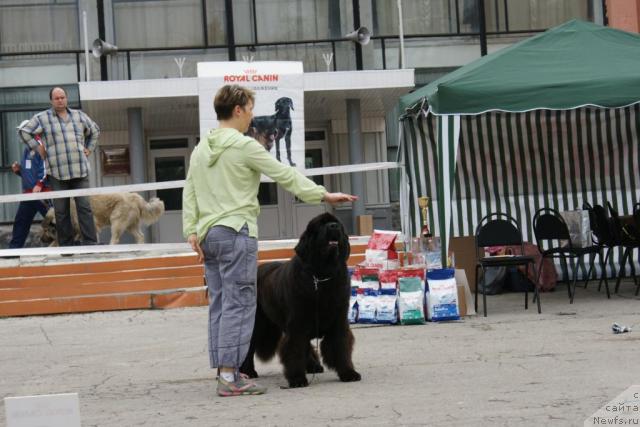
(143, 93)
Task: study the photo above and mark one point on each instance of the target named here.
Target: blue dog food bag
(442, 295)
(367, 301)
(352, 314)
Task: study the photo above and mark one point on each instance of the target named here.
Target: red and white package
(388, 279)
(381, 250)
(382, 245)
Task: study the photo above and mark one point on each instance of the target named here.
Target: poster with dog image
(278, 122)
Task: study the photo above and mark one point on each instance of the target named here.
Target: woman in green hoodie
(220, 221)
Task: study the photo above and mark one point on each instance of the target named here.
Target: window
(38, 25)
(158, 144)
(157, 23)
(292, 20)
(449, 16)
(217, 23)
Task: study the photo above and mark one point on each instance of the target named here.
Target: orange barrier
(142, 283)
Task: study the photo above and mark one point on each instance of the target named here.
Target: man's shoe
(240, 387)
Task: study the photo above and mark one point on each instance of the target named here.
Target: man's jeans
(24, 217)
(63, 217)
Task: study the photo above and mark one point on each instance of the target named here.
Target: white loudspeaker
(361, 36)
(101, 47)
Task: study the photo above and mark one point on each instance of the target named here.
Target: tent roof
(577, 63)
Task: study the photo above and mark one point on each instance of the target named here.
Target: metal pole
(87, 68)
(400, 33)
(483, 28)
(356, 150)
(102, 34)
(356, 25)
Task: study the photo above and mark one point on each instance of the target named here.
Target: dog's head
(48, 233)
(324, 240)
(284, 104)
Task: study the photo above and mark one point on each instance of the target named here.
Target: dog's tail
(152, 210)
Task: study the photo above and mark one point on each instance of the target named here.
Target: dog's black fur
(304, 298)
(275, 127)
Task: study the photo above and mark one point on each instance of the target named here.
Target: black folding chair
(602, 238)
(500, 229)
(628, 237)
(554, 241)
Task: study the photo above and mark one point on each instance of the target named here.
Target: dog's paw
(350, 375)
(298, 382)
(315, 369)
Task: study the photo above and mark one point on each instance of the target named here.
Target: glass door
(169, 161)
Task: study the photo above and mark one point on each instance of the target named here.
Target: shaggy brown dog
(305, 298)
(122, 211)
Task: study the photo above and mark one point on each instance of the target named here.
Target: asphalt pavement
(512, 368)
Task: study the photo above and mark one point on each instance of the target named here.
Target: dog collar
(316, 281)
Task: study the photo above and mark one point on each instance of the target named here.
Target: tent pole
(448, 136)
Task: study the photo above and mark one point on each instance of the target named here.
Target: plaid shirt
(64, 141)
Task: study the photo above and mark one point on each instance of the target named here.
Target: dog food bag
(411, 300)
(365, 270)
(368, 277)
(386, 310)
(412, 272)
(381, 247)
(370, 281)
(367, 302)
(442, 295)
(356, 280)
(388, 279)
(352, 314)
(433, 260)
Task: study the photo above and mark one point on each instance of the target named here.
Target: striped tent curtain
(520, 162)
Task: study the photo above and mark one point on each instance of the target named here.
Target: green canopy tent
(550, 121)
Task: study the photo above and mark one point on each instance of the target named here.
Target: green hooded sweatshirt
(223, 181)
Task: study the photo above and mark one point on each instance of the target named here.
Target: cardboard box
(464, 249)
(465, 299)
(364, 225)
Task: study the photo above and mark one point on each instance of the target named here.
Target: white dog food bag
(386, 310)
(411, 300)
(442, 295)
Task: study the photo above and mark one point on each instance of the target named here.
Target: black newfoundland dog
(304, 298)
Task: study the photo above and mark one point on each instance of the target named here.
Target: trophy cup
(423, 202)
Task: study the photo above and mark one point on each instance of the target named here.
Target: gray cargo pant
(230, 266)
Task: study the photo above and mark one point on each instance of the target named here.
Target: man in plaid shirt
(68, 138)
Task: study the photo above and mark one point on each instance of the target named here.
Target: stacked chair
(603, 239)
(627, 236)
(554, 241)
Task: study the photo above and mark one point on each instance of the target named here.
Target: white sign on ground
(623, 410)
(279, 108)
(50, 410)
